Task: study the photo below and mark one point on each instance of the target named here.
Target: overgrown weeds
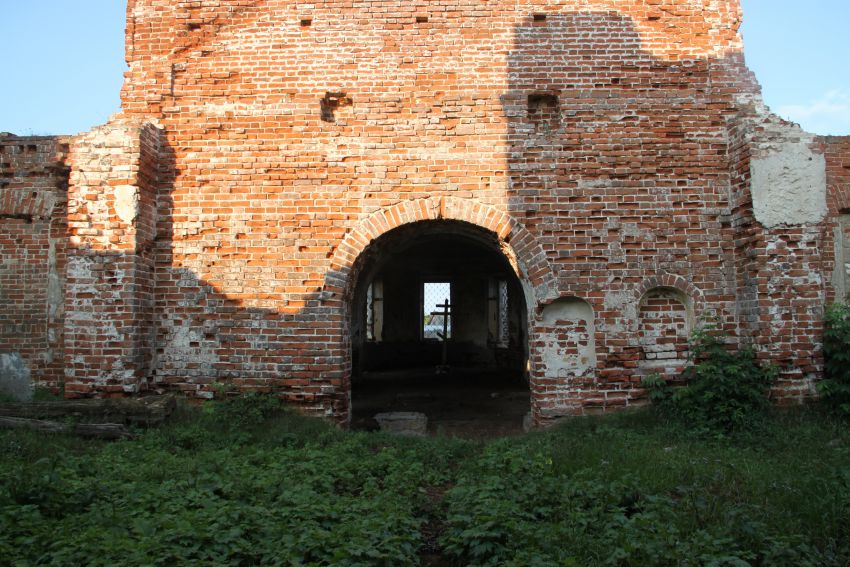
(725, 390)
(246, 482)
(835, 388)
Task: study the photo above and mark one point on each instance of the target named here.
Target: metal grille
(370, 313)
(504, 320)
(375, 311)
(436, 300)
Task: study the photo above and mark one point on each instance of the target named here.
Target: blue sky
(63, 62)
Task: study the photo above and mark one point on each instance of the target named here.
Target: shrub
(726, 390)
(835, 388)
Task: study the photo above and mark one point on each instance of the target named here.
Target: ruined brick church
(288, 184)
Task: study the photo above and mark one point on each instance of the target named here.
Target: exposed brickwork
(33, 185)
(111, 228)
(616, 151)
(837, 152)
(664, 328)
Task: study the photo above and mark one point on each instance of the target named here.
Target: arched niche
(665, 322)
(565, 342)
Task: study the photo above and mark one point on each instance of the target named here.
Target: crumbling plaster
(789, 185)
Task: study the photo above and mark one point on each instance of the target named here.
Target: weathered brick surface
(33, 185)
(110, 284)
(837, 152)
(612, 146)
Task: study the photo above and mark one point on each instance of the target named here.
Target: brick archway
(526, 254)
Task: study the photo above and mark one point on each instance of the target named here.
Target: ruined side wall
(787, 224)
(111, 227)
(33, 186)
(837, 155)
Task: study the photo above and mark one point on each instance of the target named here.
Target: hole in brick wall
(26, 218)
(306, 22)
(331, 103)
(543, 110)
(4, 184)
(542, 102)
(193, 26)
(421, 19)
(539, 17)
(654, 18)
(32, 148)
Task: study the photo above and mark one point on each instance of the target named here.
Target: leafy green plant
(625, 489)
(726, 390)
(835, 388)
(246, 410)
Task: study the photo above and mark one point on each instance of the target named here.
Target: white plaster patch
(127, 203)
(15, 379)
(558, 358)
(789, 186)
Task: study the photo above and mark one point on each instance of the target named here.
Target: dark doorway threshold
(471, 404)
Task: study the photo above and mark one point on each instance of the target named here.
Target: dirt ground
(472, 404)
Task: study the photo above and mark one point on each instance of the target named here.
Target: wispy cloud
(829, 114)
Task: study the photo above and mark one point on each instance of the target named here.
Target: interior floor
(472, 404)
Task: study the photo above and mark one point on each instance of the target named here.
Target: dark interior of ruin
(439, 327)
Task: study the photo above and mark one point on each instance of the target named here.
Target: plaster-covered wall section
(111, 225)
(783, 220)
(789, 185)
(563, 357)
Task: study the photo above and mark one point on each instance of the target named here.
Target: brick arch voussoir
(674, 281)
(532, 260)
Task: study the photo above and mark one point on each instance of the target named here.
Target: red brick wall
(664, 328)
(609, 149)
(33, 185)
(837, 152)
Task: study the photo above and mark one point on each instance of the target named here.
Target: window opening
(436, 310)
(375, 311)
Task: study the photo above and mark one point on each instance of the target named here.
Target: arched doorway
(439, 326)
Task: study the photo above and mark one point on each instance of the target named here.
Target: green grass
(241, 483)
